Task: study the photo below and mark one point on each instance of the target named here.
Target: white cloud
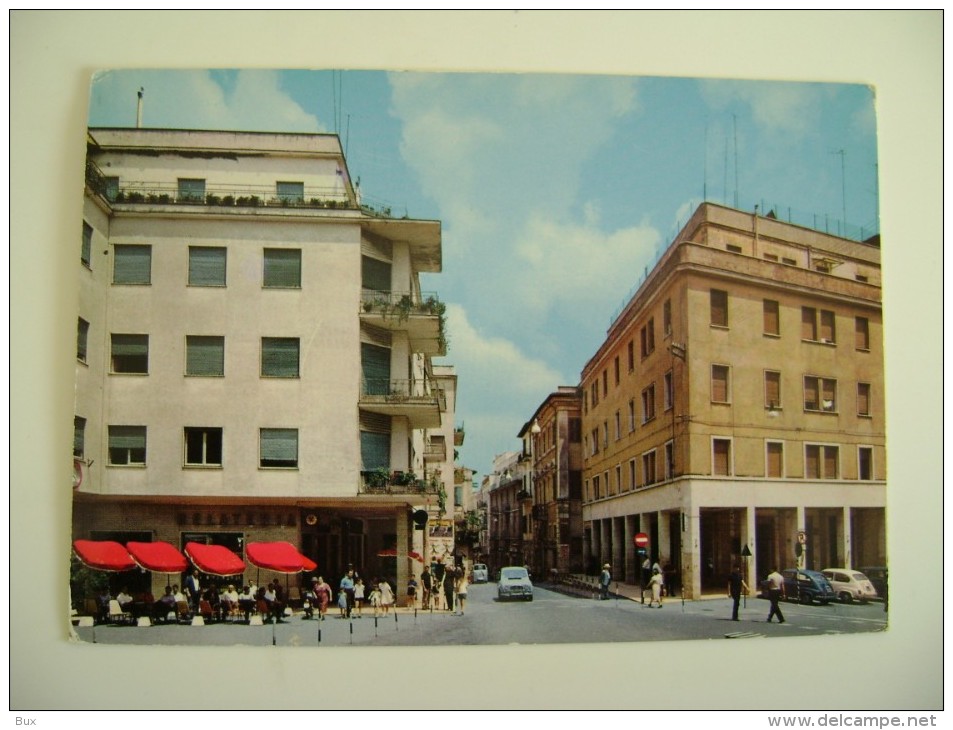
(187, 99)
(776, 107)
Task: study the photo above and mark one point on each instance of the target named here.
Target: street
(551, 618)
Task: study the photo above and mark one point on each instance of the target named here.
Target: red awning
(103, 555)
(392, 553)
(159, 557)
(214, 559)
(282, 557)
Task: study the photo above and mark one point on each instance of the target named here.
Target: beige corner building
(254, 352)
(735, 411)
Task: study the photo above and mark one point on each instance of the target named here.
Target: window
(279, 357)
(127, 445)
(770, 257)
(774, 459)
(648, 403)
(616, 366)
(865, 463)
(191, 190)
(820, 462)
(631, 415)
(130, 354)
(595, 441)
(648, 338)
(648, 468)
(605, 434)
(719, 384)
(772, 318)
(788, 262)
(282, 268)
(618, 478)
(632, 482)
(79, 437)
(667, 318)
(863, 399)
(87, 250)
(733, 248)
(618, 425)
(597, 494)
(668, 392)
(207, 265)
(820, 394)
(631, 353)
(278, 448)
(111, 188)
(862, 333)
(375, 274)
(772, 389)
(818, 325)
(595, 393)
(290, 192)
(82, 338)
(669, 460)
(204, 356)
(719, 308)
(605, 383)
(721, 457)
(203, 446)
(132, 264)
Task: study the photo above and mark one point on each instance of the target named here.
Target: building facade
(253, 351)
(555, 482)
(735, 411)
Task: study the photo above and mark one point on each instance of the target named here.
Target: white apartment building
(253, 351)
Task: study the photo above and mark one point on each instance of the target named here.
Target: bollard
(396, 628)
(87, 621)
(255, 621)
(143, 621)
(198, 621)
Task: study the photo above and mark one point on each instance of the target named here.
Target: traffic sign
(641, 540)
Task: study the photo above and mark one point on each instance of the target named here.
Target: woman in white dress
(387, 596)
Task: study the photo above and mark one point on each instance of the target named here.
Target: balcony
(435, 449)
(144, 193)
(410, 399)
(421, 317)
(398, 483)
(458, 435)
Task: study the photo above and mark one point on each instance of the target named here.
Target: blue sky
(555, 192)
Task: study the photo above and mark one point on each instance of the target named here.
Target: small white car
(514, 583)
(480, 573)
(850, 585)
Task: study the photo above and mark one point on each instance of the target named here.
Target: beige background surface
(52, 56)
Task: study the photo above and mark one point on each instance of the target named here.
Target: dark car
(878, 576)
(807, 586)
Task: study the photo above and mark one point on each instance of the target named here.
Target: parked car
(480, 573)
(807, 586)
(514, 583)
(877, 574)
(850, 585)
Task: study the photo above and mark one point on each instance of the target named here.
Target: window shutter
(206, 266)
(772, 389)
(811, 462)
(810, 394)
(775, 453)
(375, 274)
(721, 451)
(279, 357)
(862, 331)
(205, 355)
(719, 308)
(279, 444)
(863, 399)
(132, 264)
(827, 326)
(375, 367)
(375, 450)
(808, 323)
(127, 437)
(772, 322)
(830, 462)
(282, 268)
(719, 383)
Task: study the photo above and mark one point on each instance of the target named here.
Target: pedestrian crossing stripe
(744, 635)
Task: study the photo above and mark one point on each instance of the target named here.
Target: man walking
(604, 579)
(775, 594)
(736, 587)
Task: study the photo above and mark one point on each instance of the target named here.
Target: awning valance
(282, 557)
(159, 557)
(103, 555)
(214, 559)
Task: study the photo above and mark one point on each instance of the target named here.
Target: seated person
(164, 606)
(275, 606)
(125, 600)
(103, 603)
(246, 601)
(229, 601)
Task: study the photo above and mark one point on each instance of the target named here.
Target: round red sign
(641, 540)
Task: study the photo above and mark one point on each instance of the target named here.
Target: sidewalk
(585, 585)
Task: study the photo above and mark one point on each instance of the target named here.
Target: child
(376, 599)
(358, 595)
(412, 592)
(342, 603)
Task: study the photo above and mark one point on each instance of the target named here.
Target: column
(405, 543)
(631, 566)
(691, 553)
(750, 539)
(847, 552)
(664, 539)
(618, 548)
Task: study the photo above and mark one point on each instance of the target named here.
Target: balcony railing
(386, 390)
(380, 481)
(421, 316)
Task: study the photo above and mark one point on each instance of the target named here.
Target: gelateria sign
(234, 518)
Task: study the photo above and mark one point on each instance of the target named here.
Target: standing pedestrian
(736, 588)
(605, 578)
(775, 593)
(655, 583)
(646, 575)
(412, 592)
(387, 596)
(427, 581)
(448, 581)
(461, 590)
(359, 596)
(347, 588)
